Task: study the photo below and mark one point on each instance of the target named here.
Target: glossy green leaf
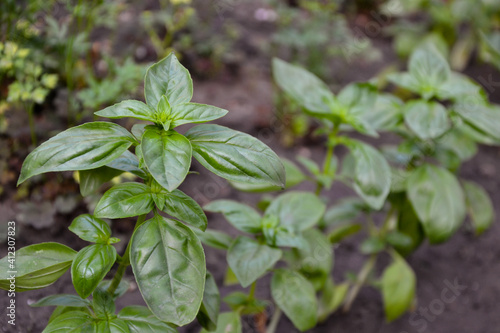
(304, 87)
(103, 303)
(72, 322)
(122, 288)
(83, 147)
(62, 300)
(296, 297)
(346, 210)
(386, 113)
(210, 306)
(183, 207)
(250, 260)
(167, 156)
(129, 108)
(438, 200)
(92, 180)
(458, 87)
(91, 229)
(430, 69)
(169, 266)
(214, 238)
(60, 310)
(128, 162)
(36, 266)
(409, 225)
(194, 113)
(484, 118)
(479, 206)
(372, 174)
(241, 216)
(398, 288)
(168, 77)
(140, 319)
(125, 200)
(235, 156)
(427, 120)
(297, 210)
(229, 322)
(90, 266)
(244, 304)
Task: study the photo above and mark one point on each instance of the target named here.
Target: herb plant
(165, 253)
(407, 192)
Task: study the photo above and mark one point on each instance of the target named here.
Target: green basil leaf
(36, 266)
(409, 225)
(72, 322)
(404, 80)
(183, 207)
(91, 229)
(168, 77)
(229, 322)
(187, 113)
(210, 306)
(140, 319)
(459, 86)
(427, 120)
(83, 147)
(250, 260)
(297, 210)
(294, 176)
(241, 216)
(122, 288)
(167, 156)
(235, 156)
(214, 238)
(304, 87)
(438, 201)
(332, 297)
(125, 200)
(430, 69)
(482, 117)
(103, 303)
(116, 326)
(62, 300)
(372, 178)
(398, 288)
(92, 180)
(479, 206)
(346, 210)
(296, 297)
(169, 265)
(386, 114)
(90, 266)
(58, 311)
(129, 108)
(128, 162)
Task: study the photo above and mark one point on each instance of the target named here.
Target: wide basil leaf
(167, 156)
(386, 114)
(479, 206)
(235, 156)
(372, 174)
(229, 322)
(92, 180)
(332, 297)
(410, 226)
(398, 288)
(90, 266)
(484, 118)
(72, 322)
(128, 162)
(83, 147)
(37, 266)
(346, 210)
(210, 306)
(187, 113)
(62, 300)
(183, 207)
(129, 108)
(430, 69)
(169, 266)
(438, 201)
(125, 200)
(140, 319)
(458, 87)
(103, 303)
(214, 238)
(241, 216)
(91, 229)
(304, 87)
(249, 260)
(122, 288)
(427, 120)
(297, 210)
(296, 297)
(168, 77)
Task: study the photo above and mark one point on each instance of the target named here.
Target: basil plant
(165, 253)
(406, 193)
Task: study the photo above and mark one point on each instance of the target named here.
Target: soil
(469, 263)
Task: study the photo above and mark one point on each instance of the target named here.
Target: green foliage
(166, 255)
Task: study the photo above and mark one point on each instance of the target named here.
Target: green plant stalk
(124, 262)
(329, 155)
(362, 277)
(251, 294)
(275, 319)
(31, 122)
